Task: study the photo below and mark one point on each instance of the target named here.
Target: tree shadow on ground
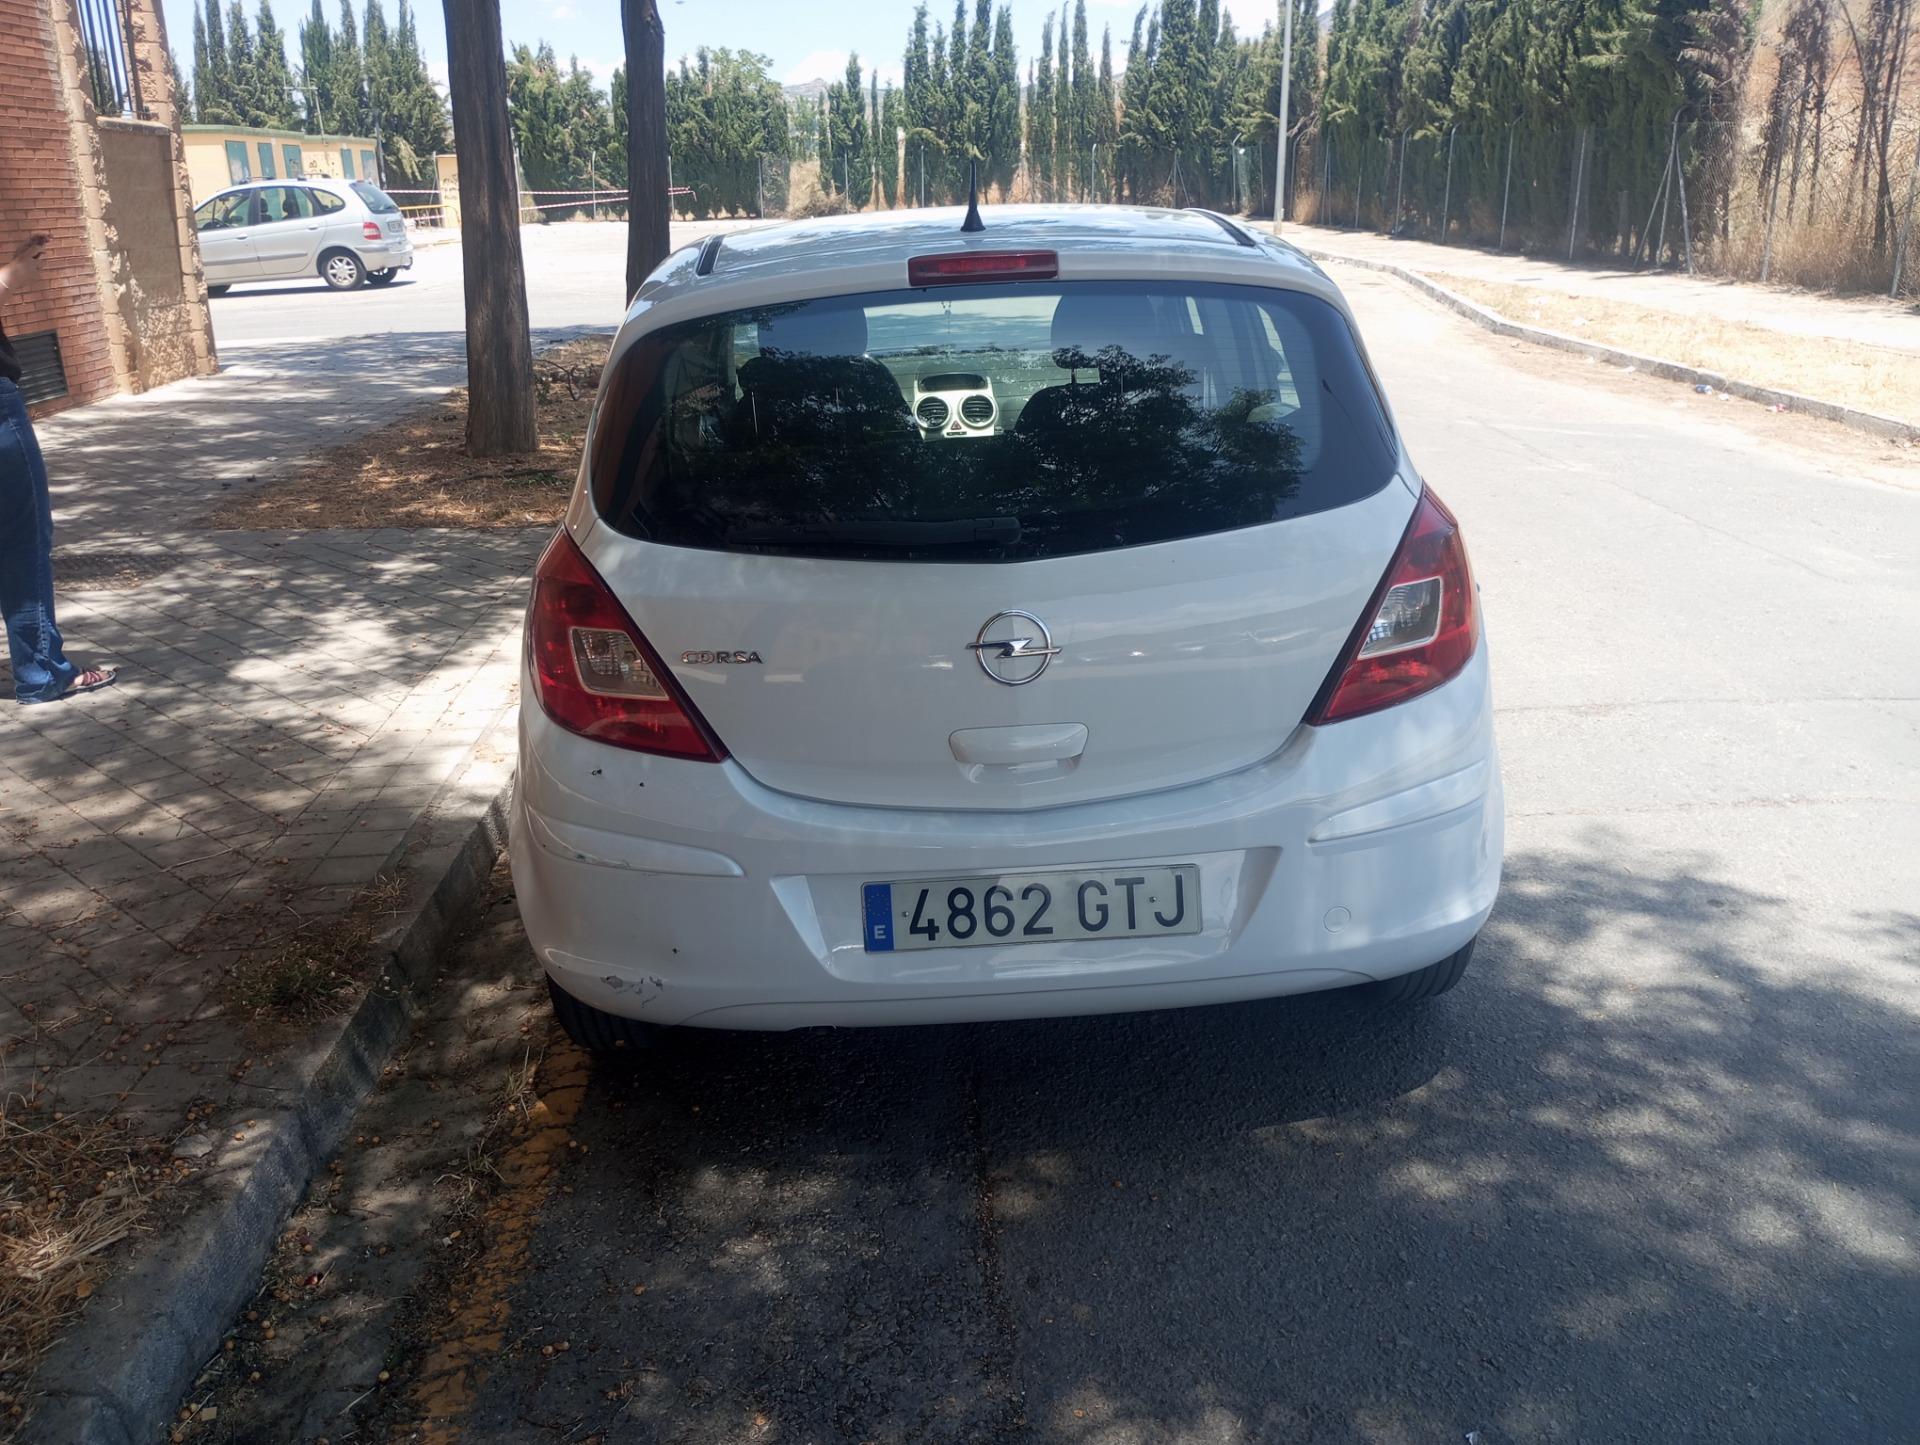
(137, 470)
(1647, 1174)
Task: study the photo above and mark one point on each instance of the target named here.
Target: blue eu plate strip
(879, 909)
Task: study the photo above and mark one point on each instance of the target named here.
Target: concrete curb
(1867, 421)
(119, 1377)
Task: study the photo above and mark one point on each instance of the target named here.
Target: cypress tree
(217, 98)
(1106, 123)
(316, 71)
(850, 140)
(980, 70)
(1063, 147)
(889, 146)
(273, 80)
(201, 73)
(182, 92)
(242, 67)
(349, 76)
(416, 126)
(1003, 130)
(1040, 117)
(937, 148)
(1080, 113)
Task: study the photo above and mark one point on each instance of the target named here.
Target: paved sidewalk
(1867, 320)
(289, 703)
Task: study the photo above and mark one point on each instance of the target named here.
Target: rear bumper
(687, 893)
(395, 255)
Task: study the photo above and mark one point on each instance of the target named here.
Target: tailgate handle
(1013, 746)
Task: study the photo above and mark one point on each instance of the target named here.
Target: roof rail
(1239, 235)
(709, 253)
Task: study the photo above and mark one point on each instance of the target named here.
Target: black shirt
(9, 362)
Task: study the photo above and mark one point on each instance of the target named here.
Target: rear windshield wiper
(883, 532)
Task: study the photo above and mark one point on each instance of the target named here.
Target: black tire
(383, 278)
(342, 271)
(1422, 984)
(222, 289)
(597, 1031)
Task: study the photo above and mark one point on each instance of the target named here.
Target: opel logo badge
(1007, 649)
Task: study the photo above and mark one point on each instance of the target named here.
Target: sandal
(92, 680)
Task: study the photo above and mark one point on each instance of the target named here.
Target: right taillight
(1420, 627)
(594, 674)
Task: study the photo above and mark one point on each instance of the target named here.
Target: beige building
(218, 156)
(90, 155)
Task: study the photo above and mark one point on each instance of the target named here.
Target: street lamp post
(1280, 138)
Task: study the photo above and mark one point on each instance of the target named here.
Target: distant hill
(806, 89)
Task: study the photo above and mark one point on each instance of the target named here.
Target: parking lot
(1648, 1174)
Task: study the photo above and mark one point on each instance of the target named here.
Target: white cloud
(601, 67)
(1249, 16)
(817, 65)
(560, 12)
(832, 65)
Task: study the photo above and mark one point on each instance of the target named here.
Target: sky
(804, 42)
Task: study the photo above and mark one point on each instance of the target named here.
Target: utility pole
(1280, 137)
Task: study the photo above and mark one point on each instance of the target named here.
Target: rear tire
(221, 289)
(383, 278)
(342, 271)
(1422, 984)
(597, 1031)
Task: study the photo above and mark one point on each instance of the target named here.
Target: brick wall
(40, 191)
(53, 179)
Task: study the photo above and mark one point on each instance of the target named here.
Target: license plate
(1031, 908)
(396, 226)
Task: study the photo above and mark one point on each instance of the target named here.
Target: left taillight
(1420, 628)
(370, 229)
(594, 674)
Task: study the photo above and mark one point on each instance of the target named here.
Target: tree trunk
(500, 415)
(647, 203)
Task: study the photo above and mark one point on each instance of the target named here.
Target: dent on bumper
(730, 906)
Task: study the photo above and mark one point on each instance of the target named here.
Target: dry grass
(314, 970)
(1875, 378)
(70, 1190)
(415, 472)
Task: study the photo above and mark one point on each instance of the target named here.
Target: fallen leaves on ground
(416, 472)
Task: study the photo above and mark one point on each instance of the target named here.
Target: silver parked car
(346, 232)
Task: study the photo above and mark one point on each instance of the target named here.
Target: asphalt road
(1648, 1174)
(576, 276)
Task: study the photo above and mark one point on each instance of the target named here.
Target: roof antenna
(973, 221)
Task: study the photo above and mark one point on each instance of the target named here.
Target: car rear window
(989, 423)
(377, 200)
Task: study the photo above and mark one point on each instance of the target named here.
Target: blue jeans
(41, 671)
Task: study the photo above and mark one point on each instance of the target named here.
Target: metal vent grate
(43, 375)
(932, 412)
(977, 410)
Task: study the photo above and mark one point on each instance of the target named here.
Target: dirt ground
(416, 472)
(1875, 378)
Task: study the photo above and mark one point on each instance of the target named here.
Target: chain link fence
(1694, 196)
(1697, 196)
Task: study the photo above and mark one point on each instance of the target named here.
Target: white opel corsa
(994, 623)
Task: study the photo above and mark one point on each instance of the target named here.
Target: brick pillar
(39, 191)
(149, 45)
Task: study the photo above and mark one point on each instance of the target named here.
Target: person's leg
(40, 666)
